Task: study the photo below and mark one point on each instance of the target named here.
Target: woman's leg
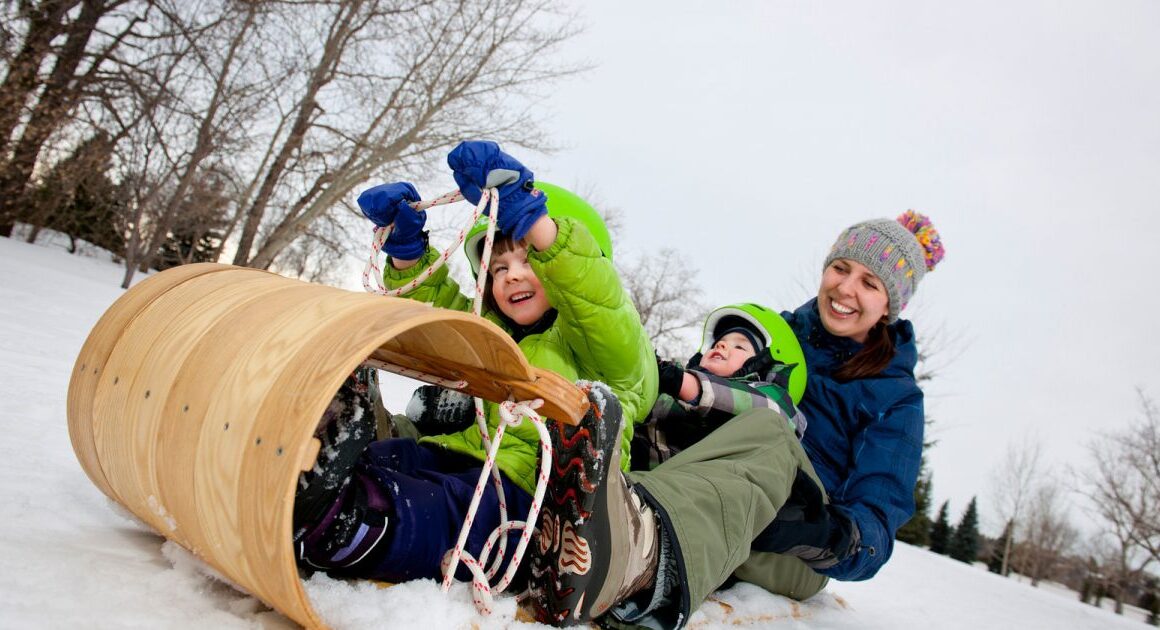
(716, 496)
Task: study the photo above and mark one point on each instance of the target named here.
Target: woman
(749, 500)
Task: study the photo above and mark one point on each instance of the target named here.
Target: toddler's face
(728, 354)
(515, 287)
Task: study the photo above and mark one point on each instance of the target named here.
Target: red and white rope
(381, 234)
(511, 414)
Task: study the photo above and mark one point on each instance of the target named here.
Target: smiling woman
(748, 501)
(851, 299)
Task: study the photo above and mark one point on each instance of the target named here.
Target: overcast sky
(748, 134)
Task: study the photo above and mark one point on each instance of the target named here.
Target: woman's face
(851, 299)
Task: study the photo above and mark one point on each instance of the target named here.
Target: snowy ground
(75, 559)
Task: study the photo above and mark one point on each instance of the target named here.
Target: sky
(747, 134)
(75, 559)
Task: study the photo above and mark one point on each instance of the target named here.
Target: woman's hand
(809, 528)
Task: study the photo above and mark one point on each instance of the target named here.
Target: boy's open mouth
(520, 297)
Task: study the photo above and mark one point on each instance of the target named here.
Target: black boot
(345, 429)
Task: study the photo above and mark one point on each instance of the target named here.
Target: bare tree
(1012, 485)
(388, 87)
(1122, 484)
(1047, 534)
(193, 100)
(62, 56)
(664, 288)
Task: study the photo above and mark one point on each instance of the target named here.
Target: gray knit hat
(898, 251)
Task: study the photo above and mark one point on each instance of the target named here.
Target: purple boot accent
(355, 526)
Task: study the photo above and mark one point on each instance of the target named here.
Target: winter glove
(478, 164)
(809, 528)
(768, 369)
(672, 376)
(435, 410)
(757, 364)
(391, 203)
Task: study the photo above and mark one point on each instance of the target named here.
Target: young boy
(749, 359)
(552, 286)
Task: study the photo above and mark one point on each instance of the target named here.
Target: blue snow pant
(424, 493)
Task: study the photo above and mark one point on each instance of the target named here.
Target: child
(552, 286)
(749, 358)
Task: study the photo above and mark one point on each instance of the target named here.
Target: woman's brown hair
(872, 359)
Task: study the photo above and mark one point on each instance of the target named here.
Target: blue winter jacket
(864, 437)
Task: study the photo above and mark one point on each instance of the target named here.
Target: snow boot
(597, 541)
(352, 530)
(345, 429)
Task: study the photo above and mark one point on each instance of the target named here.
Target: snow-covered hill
(74, 559)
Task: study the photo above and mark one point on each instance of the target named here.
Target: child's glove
(435, 410)
(478, 164)
(391, 203)
(809, 528)
(672, 376)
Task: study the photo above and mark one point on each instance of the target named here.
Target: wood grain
(194, 401)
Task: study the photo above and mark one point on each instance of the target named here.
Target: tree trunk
(50, 109)
(202, 149)
(323, 73)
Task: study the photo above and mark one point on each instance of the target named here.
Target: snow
(75, 558)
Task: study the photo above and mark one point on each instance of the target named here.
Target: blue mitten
(391, 203)
(478, 164)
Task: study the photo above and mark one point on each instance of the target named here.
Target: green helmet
(780, 339)
(561, 203)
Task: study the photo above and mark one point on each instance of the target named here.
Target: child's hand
(478, 164)
(672, 376)
(390, 203)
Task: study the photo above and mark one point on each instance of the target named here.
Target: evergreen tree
(940, 532)
(199, 226)
(965, 543)
(78, 199)
(916, 531)
(995, 564)
(1150, 601)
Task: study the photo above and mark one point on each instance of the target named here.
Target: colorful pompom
(919, 224)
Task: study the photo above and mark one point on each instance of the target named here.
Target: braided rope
(381, 234)
(511, 414)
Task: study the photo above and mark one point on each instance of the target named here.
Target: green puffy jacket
(597, 336)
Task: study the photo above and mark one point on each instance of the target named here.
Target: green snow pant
(719, 494)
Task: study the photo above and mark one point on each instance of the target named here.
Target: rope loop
(511, 414)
